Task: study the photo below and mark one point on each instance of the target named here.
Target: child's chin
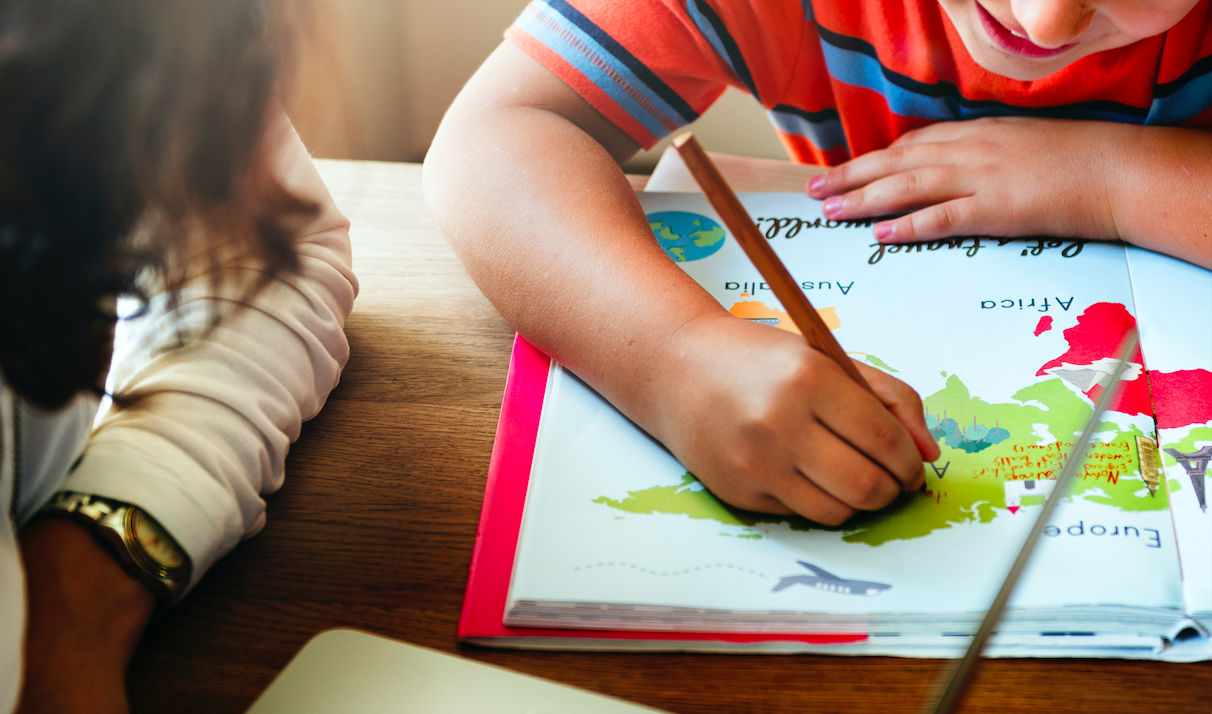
(1020, 68)
(1023, 69)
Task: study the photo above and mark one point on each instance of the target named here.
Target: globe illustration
(686, 236)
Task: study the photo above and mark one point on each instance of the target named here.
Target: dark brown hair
(131, 134)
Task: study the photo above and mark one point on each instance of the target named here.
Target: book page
(1008, 342)
(1173, 299)
(743, 173)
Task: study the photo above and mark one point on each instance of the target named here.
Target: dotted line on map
(684, 571)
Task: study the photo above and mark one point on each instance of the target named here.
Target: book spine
(505, 492)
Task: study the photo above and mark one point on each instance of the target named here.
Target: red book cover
(481, 621)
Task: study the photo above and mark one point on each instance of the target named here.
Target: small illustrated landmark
(1196, 465)
(1016, 490)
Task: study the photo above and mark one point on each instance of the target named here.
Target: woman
(143, 152)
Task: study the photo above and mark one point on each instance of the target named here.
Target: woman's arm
(203, 436)
(206, 425)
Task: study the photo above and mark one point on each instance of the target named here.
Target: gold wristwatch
(147, 552)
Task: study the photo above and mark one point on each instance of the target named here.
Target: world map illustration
(686, 236)
(996, 457)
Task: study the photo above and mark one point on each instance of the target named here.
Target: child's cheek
(1137, 20)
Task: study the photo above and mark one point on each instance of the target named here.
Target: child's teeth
(1020, 36)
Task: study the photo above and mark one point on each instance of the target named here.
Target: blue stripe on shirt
(854, 62)
(608, 73)
(1188, 96)
(716, 34)
(823, 129)
(649, 78)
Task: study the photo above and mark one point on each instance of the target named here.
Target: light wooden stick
(742, 227)
(958, 679)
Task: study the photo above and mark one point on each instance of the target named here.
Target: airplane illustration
(827, 581)
(1085, 376)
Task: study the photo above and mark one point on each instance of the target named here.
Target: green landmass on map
(877, 362)
(663, 232)
(984, 447)
(710, 236)
(690, 498)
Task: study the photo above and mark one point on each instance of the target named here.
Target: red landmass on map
(1096, 335)
(1182, 398)
(1044, 324)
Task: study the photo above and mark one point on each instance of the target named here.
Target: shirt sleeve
(653, 66)
(209, 414)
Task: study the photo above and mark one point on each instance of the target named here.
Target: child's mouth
(1012, 43)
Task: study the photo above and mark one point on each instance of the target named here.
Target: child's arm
(1150, 186)
(523, 180)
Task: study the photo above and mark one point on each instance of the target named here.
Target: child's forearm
(548, 227)
(1161, 192)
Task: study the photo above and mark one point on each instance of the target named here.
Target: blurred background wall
(390, 68)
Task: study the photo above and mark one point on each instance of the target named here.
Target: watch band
(144, 548)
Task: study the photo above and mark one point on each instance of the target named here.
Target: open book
(1009, 343)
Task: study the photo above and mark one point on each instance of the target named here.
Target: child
(999, 117)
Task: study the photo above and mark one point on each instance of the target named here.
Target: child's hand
(770, 424)
(998, 177)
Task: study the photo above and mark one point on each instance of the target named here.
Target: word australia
(756, 287)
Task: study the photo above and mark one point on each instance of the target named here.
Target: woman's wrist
(85, 614)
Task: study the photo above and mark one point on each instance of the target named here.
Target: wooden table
(374, 528)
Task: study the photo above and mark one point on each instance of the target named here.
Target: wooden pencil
(746, 232)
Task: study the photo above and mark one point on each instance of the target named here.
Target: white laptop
(345, 671)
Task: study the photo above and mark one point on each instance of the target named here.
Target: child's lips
(1012, 43)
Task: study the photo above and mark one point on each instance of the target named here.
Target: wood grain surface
(374, 528)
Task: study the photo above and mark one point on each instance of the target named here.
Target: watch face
(155, 541)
